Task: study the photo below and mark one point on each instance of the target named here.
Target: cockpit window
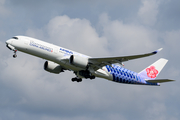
(15, 38)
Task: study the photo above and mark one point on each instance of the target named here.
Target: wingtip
(157, 51)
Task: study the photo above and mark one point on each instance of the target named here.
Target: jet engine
(52, 67)
(79, 61)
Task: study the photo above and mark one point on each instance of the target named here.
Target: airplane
(60, 59)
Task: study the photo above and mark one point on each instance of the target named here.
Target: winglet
(157, 51)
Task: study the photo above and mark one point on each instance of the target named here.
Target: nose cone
(8, 42)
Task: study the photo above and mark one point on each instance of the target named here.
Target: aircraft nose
(8, 42)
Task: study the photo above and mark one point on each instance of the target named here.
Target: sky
(97, 28)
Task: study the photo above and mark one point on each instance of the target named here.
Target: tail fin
(151, 72)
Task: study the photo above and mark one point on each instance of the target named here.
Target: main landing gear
(83, 74)
(77, 79)
(14, 56)
(80, 79)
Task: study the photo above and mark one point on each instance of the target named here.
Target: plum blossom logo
(151, 72)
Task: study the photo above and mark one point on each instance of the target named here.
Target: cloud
(156, 112)
(3, 10)
(148, 12)
(129, 39)
(171, 37)
(71, 33)
(134, 37)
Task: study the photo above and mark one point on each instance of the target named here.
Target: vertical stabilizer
(153, 70)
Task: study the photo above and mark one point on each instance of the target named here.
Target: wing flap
(159, 80)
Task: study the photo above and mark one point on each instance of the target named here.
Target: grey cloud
(148, 12)
(3, 10)
(62, 29)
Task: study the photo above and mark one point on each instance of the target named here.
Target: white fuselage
(53, 53)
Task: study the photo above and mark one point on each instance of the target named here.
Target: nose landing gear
(14, 56)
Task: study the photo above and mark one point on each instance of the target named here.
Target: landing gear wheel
(92, 77)
(73, 79)
(76, 79)
(79, 80)
(14, 56)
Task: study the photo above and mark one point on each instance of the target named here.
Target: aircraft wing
(97, 63)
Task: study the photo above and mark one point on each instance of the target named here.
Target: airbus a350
(60, 59)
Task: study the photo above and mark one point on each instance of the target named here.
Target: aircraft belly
(71, 67)
(102, 73)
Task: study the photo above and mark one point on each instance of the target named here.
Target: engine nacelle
(78, 61)
(52, 67)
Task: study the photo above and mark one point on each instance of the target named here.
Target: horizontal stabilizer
(159, 80)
